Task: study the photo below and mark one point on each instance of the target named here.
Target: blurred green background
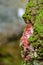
(11, 27)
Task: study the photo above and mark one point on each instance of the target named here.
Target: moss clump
(34, 15)
(34, 10)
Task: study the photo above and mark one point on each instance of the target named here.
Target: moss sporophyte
(32, 37)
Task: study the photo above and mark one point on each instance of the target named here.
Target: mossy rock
(34, 15)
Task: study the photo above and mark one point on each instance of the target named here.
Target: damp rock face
(34, 15)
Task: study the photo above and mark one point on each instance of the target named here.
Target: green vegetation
(34, 10)
(34, 14)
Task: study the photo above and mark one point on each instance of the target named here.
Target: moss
(34, 13)
(34, 10)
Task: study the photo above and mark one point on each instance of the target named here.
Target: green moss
(34, 13)
(34, 10)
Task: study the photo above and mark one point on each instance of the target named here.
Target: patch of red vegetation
(24, 39)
